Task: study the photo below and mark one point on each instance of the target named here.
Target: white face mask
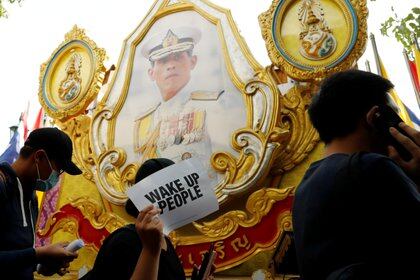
(46, 185)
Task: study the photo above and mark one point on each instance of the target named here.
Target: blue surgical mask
(46, 185)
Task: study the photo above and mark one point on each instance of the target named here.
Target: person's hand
(51, 270)
(54, 258)
(412, 167)
(150, 229)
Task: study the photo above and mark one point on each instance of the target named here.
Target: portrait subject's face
(172, 73)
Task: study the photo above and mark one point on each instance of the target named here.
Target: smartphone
(385, 118)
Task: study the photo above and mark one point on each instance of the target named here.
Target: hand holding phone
(386, 118)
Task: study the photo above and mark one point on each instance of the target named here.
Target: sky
(36, 27)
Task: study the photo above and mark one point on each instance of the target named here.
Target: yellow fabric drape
(402, 111)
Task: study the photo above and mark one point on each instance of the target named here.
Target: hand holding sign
(149, 227)
(183, 191)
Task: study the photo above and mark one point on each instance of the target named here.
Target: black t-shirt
(120, 252)
(359, 208)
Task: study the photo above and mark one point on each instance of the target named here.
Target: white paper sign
(183, 191)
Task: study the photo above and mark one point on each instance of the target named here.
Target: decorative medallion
(309, 39)
(72, 76)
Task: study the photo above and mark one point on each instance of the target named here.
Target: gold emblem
(316, 39)
(72, 77)
(308, 42)
(170, 39)
(71, 86)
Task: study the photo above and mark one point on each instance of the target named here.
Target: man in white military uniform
(175, 128)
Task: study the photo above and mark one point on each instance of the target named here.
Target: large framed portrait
(180, 100)
(179, 91)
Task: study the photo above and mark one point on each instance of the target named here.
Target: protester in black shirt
(356, 212)
(139, 251)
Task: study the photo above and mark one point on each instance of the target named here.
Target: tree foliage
(3, 11)
(402, 28)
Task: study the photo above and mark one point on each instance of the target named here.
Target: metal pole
(375, 52)
(367, 64)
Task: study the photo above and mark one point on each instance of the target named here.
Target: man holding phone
(356, 212)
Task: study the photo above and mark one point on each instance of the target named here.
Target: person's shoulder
(385, 171)
(203, 95)
(124, 236)
(371, 161)
(127, 230)
(371, 157)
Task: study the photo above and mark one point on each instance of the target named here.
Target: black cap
(56, 144)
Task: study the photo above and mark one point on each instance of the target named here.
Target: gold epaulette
(206, 95)
(147, 112)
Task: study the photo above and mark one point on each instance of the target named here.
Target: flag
(414, 118)
(412, 70)
(24, 120)
(12, 151)
(402, 112)
(416, 54)
(414, 67)
(39, 121)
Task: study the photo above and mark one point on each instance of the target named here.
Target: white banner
(183, 191)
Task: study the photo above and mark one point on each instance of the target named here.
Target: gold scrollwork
(257, 206)
(97, 217)
(294, 118)
(90, 210)
(113, 181)
(68, 225)
(257, 143)
(78, 130)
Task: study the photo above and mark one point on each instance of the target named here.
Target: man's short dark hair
(26, 151)
(343, 101)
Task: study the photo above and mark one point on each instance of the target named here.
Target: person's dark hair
(149, 167)
(344, 99)
(26, 151)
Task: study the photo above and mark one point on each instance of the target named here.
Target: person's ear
(38, 155)
(151, 73)
(371, 115)
(193, 61)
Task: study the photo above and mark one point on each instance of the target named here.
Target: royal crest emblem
(316, 39)
(71, 86)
